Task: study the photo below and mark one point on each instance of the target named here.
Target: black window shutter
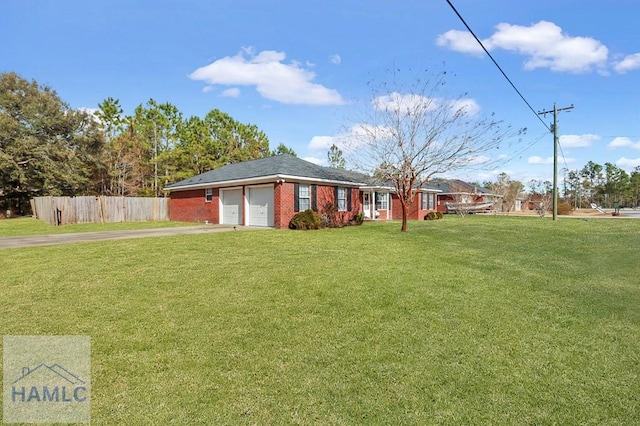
(314, 198)
(296, 197)
(335, 196)
(349, 198)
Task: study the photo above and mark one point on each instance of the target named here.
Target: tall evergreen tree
(46, 148)
(283, 149)
(336, 158)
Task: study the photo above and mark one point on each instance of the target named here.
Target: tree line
(602, 185)
(48, 148)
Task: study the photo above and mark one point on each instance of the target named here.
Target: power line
(564, 159)
(529, 145)
(496, 64)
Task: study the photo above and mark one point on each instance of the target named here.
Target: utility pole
(554, 129)
(155, 159)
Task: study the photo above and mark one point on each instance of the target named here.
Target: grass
(31, 226)
(482, 320)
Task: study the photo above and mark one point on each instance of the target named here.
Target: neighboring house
(270, 191)
(453, 191)
(519, 204)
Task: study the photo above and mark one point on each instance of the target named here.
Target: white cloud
(233, 92)
(396, 102)
(460, 41)
(287, 83)
(413, 103)
(349, 140)
(629, 63)
(207, 89)
(470, 106)
(480, 159)
(628, 163)
(361, 134)
(335, 59)
(549, 160)
(539, 160)
(314, 160)
(578, 141)
(543, 44)
(319, 143)
(623, 142)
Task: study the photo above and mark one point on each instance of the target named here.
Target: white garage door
(261, 206)
(232, 206)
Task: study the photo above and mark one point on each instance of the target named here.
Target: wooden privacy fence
(65, 210)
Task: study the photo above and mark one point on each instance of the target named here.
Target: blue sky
(298, 69)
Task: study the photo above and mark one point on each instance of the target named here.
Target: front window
(382, 201)
(208, 195)
(304, 197)
(428, 201)
(342, 199)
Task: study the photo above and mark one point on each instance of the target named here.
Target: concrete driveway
(54, 239)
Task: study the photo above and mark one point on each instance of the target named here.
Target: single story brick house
(270, 191)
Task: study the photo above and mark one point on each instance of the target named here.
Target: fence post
(100, 212)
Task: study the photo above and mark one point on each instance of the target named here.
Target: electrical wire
(564, 160)
(525, 148)
(497, 65)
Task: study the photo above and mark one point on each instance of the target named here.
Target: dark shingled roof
(283, 164)
(449, 186)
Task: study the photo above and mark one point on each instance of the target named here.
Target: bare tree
(541, 195)
(411, 135)
(508, 191)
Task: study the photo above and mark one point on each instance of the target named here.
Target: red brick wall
(284, 203)
(190, 206)
(420, 213)
(356, 202)
(415, 211)
(283, 200)
(440, 206)
(396, 208)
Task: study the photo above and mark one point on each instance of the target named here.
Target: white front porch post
(389, 200)
(373, 205)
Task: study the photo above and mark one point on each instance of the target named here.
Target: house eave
(260, 180)
(391, 189)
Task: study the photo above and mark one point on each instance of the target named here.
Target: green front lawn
(482, 320)
(31, 226)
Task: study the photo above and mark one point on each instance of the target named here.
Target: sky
(299, 69)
